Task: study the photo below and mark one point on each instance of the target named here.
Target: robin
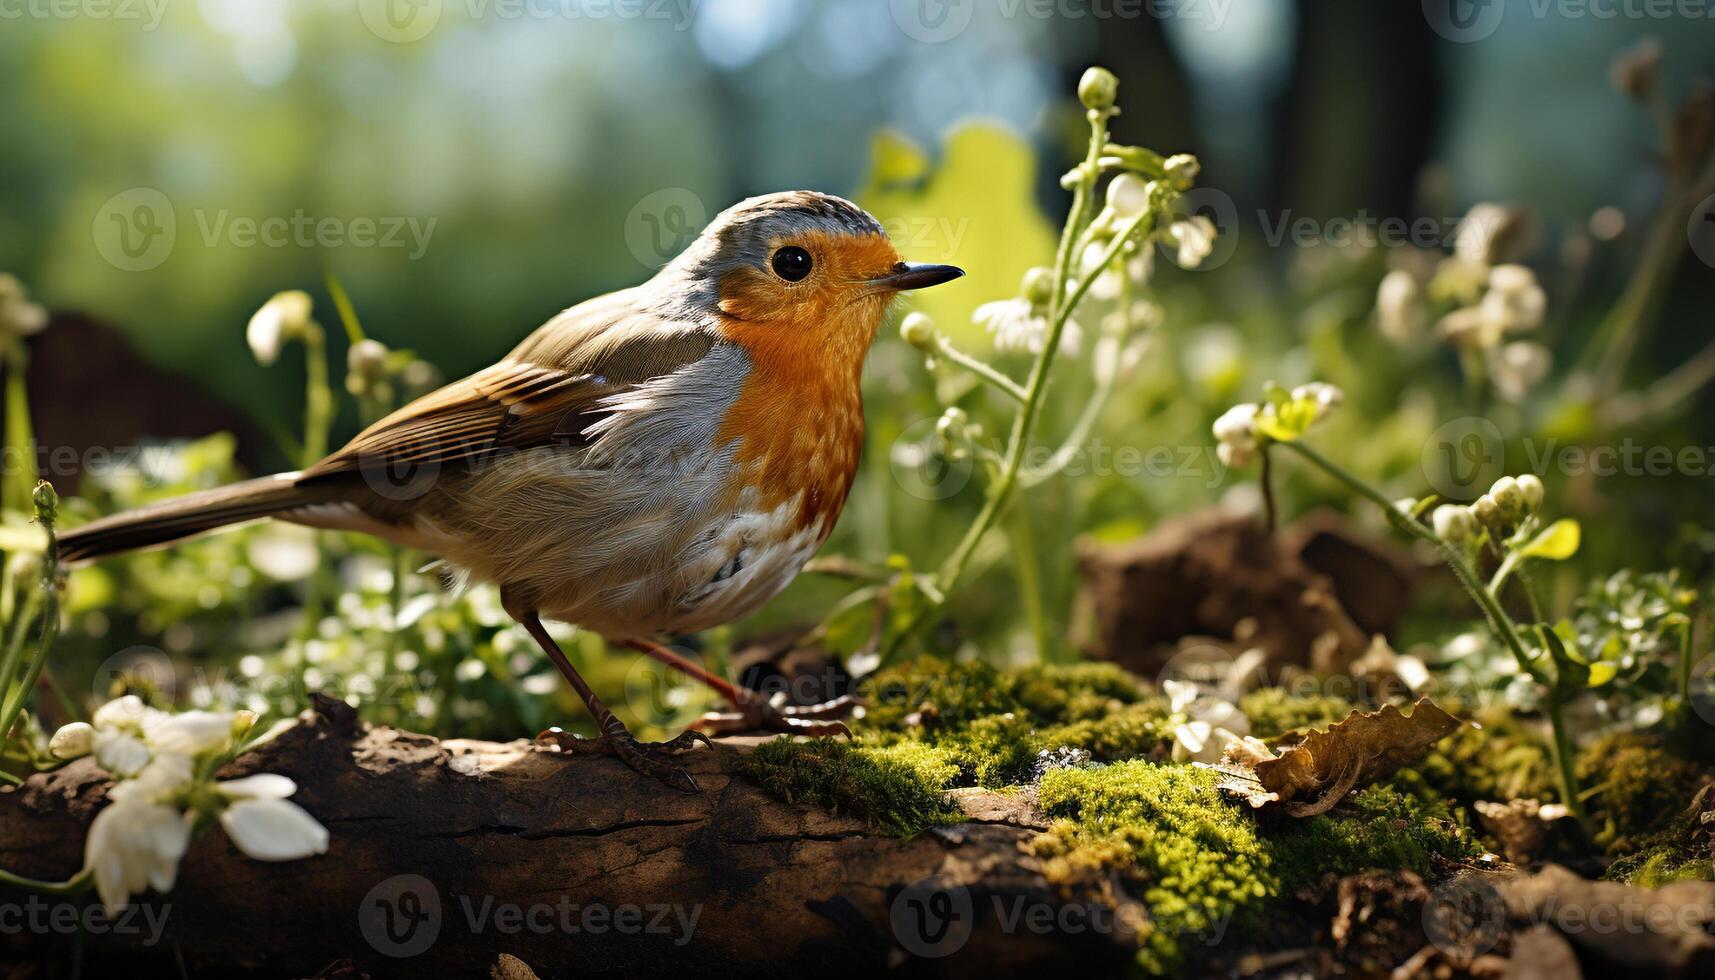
(652, 462)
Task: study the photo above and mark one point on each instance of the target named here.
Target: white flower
(132, 846)
(1327, 397)
(1193, 238)
(190, 733)
(72, 741)
(1399, 306)
(1018, 325)
(1519, 367)
(1235, 430)
(1482, 234)
(118, 741)
(1211, 723)
(264, 824)
(284, 317)
(1514, 301)
(138, 840)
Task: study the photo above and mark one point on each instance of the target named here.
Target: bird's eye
(791, 263)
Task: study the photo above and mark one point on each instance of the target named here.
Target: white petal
(163, 775)
(191, 732)
(262, 786)
(120, 712)
(274, 830)
(120, 753)
(133, 845)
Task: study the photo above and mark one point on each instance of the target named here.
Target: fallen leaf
(1313, 775)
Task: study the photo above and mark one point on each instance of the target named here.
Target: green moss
(1495, 758)
(1661, 865)
(1203, 862)
(1273, 711)
(1073, 692)
(895, 788)
(1637, 793)
(1141, 730)
(956, 694)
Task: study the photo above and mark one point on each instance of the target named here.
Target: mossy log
(465, 858)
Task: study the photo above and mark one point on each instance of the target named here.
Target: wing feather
(536, 396)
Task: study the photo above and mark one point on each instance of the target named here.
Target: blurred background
(466, 168)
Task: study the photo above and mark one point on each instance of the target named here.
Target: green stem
(1098, 402)
(318, 397)
(944, 348)
(50, 614)
(1499, 621)
(76, 883)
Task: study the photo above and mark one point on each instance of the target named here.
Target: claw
(649, 758)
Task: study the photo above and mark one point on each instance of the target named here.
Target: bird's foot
(649, 758)
(758, 713)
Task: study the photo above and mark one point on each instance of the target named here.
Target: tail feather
(185, 516)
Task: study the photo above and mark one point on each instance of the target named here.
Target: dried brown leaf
(1313, 775)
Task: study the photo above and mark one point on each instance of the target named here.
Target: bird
(648, 463)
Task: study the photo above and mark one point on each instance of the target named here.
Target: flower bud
(366, 357)
(1181, 169)
(285, 317)
(72, 741)
(1453, 523)
(1038, 285)
(45, 499)
(242, 721)
(1128, 195)
(1509, 499)
(1531, 486)
(1487, 512)
(918, 331)
(1098, 88)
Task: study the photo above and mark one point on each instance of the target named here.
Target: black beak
(917, 275)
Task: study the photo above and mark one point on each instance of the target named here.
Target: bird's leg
(648, 758)
(752, 710)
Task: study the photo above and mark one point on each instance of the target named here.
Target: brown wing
(535, 396)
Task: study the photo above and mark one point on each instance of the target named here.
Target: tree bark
(464, 858)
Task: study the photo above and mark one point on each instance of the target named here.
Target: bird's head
(797, 272)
